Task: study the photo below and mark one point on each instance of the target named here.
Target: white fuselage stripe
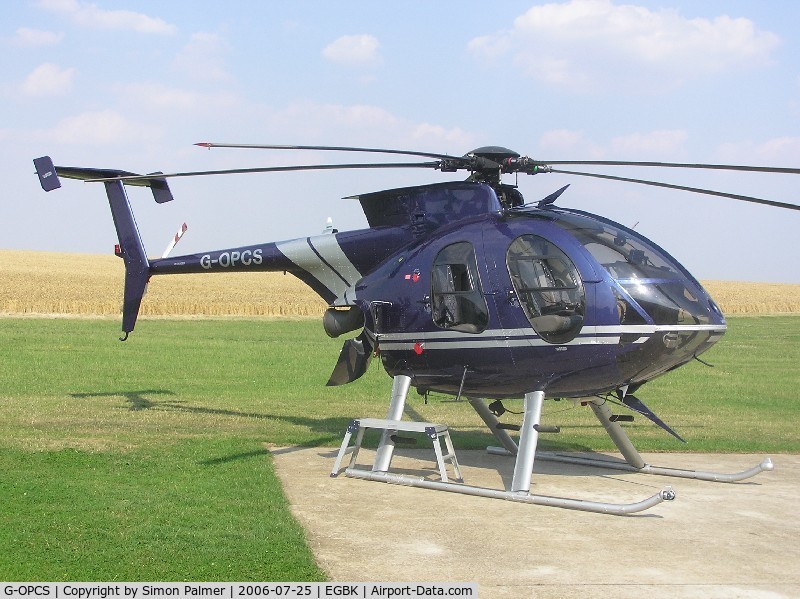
(493, 343)
(588, 331)
(330, 250)
(591, 335)
(301, 253)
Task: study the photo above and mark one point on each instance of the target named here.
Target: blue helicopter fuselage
(465, 294)
(615, 331)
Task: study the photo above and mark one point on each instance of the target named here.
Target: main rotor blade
(271, 169)
(721, 194)
(725, 167)
(210, 145)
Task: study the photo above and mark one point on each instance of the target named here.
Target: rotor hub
(494, 153)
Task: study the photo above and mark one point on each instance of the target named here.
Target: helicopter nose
(716, 314)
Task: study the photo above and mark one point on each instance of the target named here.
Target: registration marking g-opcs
(229, 259)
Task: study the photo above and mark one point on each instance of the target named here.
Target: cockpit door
(540, 297)
(547, 286)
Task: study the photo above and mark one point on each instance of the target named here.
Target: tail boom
(331, 264)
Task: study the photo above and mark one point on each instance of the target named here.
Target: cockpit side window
(457, 300)
(548, 287)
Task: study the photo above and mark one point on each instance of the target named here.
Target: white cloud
(363, 125)
(491, 46)
(312, 120)
(453, 140)
(354, 50)
(27, 37)
(202, 57)
(585, 45)
(87, 14)
(48, 79)
(566, 143)
(652, 144)
(356, 115)
(101, 128)
(776, 151)
(162, 97)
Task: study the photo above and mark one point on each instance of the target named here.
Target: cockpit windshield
(649, 282)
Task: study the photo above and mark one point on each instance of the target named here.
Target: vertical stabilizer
(137, 268)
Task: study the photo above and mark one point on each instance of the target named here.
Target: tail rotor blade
(175, 239)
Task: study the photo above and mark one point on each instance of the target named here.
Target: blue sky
(132, 85)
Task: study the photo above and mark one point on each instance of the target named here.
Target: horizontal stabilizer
(47, 173)
(49, 177)
(159, 187)
(637, 406)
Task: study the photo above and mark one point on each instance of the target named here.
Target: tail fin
(137, 267)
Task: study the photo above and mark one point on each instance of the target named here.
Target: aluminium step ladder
(435, 432)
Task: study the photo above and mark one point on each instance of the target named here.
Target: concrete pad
(714, 540)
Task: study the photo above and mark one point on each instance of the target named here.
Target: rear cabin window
(548, 287)
(456, 297)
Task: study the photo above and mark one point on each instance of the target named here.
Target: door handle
(512, 298)
(426, 303)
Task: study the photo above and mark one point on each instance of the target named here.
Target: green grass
(147, 460)
(202, 510)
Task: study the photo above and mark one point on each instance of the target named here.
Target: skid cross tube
(621, 440)
(509, 446)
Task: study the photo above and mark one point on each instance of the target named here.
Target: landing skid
(523, 467)
(617, 509)
(633, 460)
(716, 477)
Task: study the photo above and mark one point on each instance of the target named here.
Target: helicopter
(462, 288)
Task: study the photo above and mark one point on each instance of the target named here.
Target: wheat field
(91, 285)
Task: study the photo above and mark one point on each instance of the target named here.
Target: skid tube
(622, 509)
(717, 477)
